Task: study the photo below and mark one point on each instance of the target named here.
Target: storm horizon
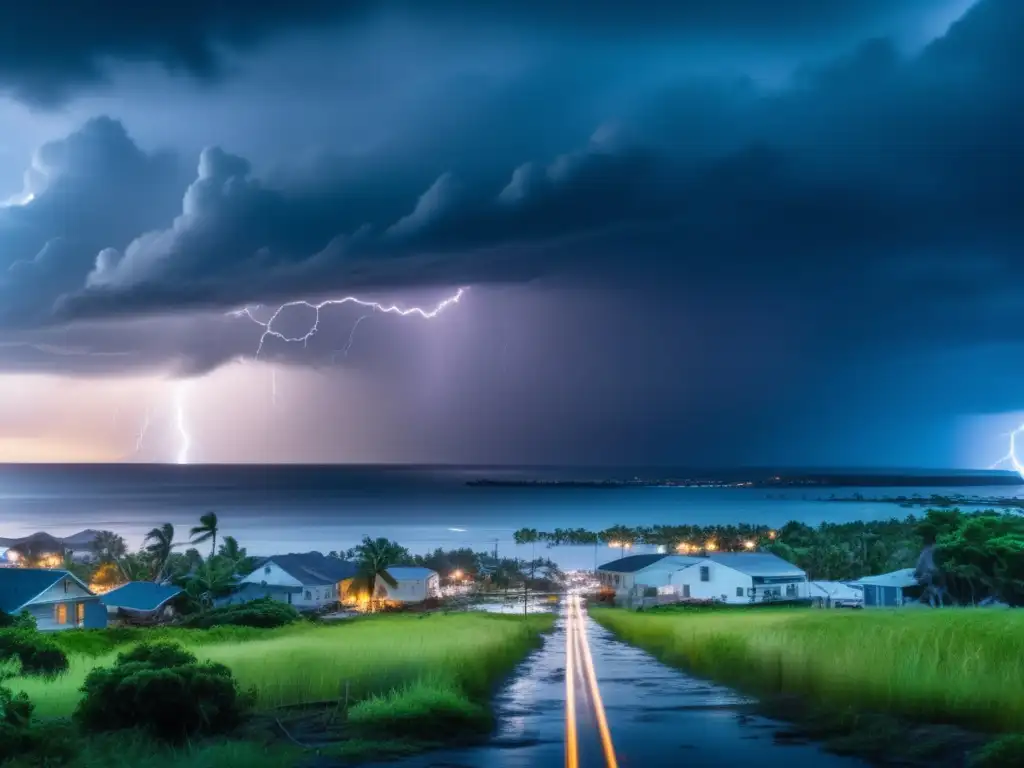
(692, 235)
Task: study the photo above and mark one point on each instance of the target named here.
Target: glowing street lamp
(749, 544)
(457, 574)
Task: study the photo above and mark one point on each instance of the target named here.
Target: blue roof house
(56, 599)
(142, 600)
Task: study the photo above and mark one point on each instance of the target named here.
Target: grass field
(466, 653)
(953, 665)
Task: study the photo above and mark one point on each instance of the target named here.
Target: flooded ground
(657, 716)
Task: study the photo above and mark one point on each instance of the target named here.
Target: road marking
(572, 758)
(595, 694)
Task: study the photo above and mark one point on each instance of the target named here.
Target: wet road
(656, 715)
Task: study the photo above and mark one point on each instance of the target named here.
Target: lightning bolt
(180, 391)
(142, 432)
(1010, 458)
(351, 338)
(389, 309)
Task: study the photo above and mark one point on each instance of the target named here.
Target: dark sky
(717, 232)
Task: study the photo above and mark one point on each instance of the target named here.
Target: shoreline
(775, 481)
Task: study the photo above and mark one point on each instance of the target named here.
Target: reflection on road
(658, 716)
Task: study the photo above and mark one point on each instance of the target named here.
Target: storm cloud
(786, 190)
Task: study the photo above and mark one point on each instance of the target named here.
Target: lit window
(60, 613)
(80, 613)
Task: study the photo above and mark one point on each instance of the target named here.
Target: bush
(163, 689)
(15, 720)
(23, 620)
(38, 654)
(1005, 751)
(264, 613)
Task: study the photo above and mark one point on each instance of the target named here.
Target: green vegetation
(35, 653)
(264, 612)
(946, 665)
(405, 678)
(164, 690)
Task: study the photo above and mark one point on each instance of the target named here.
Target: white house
(414, 585)
(309, 581)
(56, 599)
(888, 589)
(730, 577)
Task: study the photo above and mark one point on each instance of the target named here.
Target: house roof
(140, 596)
(834, 589)
(901, 578)
(410, 573)
(20, 586)
(631, 564)
(756, 563)
(313, 569)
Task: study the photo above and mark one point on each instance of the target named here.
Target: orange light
(572, 759)
(711, 546)
(457, 573)
(749, 544)
(771, 534)
(627, 545)
(595, 693)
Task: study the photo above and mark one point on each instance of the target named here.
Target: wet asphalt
(657, 716)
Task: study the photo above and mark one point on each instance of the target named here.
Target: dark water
(284, 508)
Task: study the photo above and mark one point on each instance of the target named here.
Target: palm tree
(207, 530)
(108, 547)
(209, 582)
(159, 544)
(373, 557)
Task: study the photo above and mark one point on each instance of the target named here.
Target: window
(309, 595)
(739, 591)
(66, 585)
(79, 614)
(705, 573)
(60, 613)
(791, 590)
(318, 594)
(266, 570)
(289, 598)
(686, 590)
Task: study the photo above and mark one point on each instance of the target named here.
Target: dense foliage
(263, 613)
(23, 620)
(16, 735)
(36, 653)
(163, 689)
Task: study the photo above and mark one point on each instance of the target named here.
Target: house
(835, 594)
(731, 577)
(889, 589)
(48, 548)
(414, 585)
(310, 581)
(56, 599)
(142, 600)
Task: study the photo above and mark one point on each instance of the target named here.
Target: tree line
(959, 557)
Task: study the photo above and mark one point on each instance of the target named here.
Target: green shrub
(37, 654)
(15, 722)
(23, 620)
(431, 712)
(264, 613)
(163, 689)
(1006, 751)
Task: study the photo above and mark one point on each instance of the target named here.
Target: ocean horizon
(273, 509)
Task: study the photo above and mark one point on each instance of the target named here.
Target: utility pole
(495, 549)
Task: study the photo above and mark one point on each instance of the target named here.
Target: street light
(457, 574)
(749, 544)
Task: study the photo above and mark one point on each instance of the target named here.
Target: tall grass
(953, 665)
(307, 663)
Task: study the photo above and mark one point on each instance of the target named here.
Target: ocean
(279, 509)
